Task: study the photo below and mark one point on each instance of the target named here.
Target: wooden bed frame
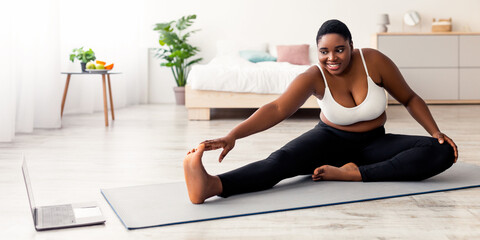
(199, 102)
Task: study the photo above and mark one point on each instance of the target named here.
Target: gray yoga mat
(168, 203)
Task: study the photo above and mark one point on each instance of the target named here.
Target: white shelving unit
(440, 67)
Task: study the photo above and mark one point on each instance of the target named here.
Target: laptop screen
(26, 177)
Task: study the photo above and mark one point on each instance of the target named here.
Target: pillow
(272, 50)
(257, 56)
(313, 52)
(294, 54)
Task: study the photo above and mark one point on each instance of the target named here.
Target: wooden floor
(146, 144)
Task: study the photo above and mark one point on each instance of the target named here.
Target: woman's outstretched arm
(268, 115)
(396, 85)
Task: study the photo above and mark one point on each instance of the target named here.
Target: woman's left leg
(394, 157)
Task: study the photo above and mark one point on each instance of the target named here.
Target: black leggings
(380, 157)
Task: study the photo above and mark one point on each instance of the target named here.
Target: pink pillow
(294, 54)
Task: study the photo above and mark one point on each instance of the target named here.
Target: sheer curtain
(30, 83)
(7, 87)
(36, 40)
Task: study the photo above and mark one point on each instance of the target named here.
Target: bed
(199, 102)
(232, 81)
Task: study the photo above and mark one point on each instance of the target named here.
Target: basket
(442, 25)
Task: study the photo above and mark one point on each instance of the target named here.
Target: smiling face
(334, 53)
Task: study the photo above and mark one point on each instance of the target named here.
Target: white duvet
(235, 74)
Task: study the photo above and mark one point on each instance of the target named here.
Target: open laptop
(61, 216)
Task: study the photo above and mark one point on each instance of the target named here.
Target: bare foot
(347, 172)
(200, 184)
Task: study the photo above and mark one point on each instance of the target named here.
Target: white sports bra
(372, 106)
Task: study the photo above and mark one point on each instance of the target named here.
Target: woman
(349, 143)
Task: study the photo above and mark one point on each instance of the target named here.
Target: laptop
(61, 216)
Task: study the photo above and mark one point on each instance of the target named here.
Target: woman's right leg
(300, 156)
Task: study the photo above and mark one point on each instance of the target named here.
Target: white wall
(288, 21)
(121, 32)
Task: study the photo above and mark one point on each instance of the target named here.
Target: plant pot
(83, 66)
(179, 95)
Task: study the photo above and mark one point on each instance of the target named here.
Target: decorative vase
(179, 95)
(83, 66)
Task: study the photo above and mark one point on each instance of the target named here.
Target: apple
(100, 66)
(90, 65)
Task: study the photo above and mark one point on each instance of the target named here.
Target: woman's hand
(227, 143)
(442, 138)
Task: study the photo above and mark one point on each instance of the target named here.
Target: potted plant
(83, 56)
(176, 51)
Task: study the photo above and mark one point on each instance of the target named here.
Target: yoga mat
(168, 203)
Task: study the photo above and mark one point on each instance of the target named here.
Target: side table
(105, 108)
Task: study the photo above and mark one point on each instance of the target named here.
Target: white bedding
(235, 74)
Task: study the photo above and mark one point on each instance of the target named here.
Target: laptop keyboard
(58, 215)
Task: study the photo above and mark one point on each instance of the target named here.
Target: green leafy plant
(175, 49)
(82, 55)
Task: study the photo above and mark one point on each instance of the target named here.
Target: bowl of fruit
(98, 67)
